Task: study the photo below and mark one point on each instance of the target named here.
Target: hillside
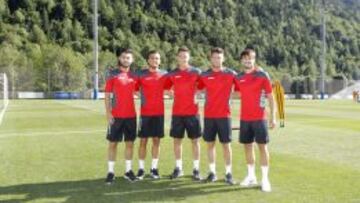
(46, 45)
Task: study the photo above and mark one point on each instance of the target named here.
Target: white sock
(251, 170)
(154, 163)
(196, 164)
(179, 164)
(265, 172)
(127, 165)
(111, 165)
(212, 168)
(141, 164)
(228, 169)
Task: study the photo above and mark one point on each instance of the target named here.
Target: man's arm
(272, 116)
(108, 105)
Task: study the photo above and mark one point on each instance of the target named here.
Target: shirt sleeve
(236, 85)
(201, 84)
(167, 82)
(267, 85)
(109, 85)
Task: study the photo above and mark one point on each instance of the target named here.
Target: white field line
(41, 133)
(82, 107)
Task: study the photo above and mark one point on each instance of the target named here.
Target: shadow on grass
(121, 191)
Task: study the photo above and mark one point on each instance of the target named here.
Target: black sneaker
(211, 177)
(176, 173)
(154, 173)
(196, 175)
(140, 174)
(110, 178)
(228, 179)
(130, 176)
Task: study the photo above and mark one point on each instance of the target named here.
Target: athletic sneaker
(249, 182)
(176, 173)
(196, 175)
(228, 179)
(140, 174)
(211, 177)
(154, 173)
(110, 178)
(130, 176)
(265, 186)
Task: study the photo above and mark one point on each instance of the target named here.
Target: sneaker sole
(127, 178)
(252, 184)
(197, 179)
(179, 176)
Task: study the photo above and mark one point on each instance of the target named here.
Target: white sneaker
(265, 186)
(249, 182)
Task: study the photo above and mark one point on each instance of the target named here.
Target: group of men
(185, 82)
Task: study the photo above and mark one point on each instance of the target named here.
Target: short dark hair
(183, 49)
(216, 50)
(248, 52)
(151, 53)
(122, 50)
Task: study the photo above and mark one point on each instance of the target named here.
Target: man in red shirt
(152, 82)
(185, 115)
(254, 86)
(121, 84)
(218, 83)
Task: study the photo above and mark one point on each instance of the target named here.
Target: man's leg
(250, 159)
(264, 162)
(178, 171)
(250, 179)
(128, 155)
(112, 149)
(196, 153)
(227, 157)
(142, 153)
(211, 152)
(178, 152)
(155, 152)
(129, 174)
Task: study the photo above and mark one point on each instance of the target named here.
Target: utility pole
(96, 50)
(323, 50)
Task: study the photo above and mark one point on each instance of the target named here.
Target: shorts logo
(178, 76)
(210, 78)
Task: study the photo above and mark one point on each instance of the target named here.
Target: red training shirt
(122, 85)
(218, 87)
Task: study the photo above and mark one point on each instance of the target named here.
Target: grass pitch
(55, 151)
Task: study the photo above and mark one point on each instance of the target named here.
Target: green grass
(55, 151)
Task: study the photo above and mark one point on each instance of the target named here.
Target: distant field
(55, 151)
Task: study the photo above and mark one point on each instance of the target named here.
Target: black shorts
(251, 131)
(122, 128)
(220, 126)
(189, 123)
(151, 126)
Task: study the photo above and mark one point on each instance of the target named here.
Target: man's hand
(272, 123)
(110, 119)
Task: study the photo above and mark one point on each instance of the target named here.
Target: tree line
(46, 45)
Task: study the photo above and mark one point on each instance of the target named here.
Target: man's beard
(122, 65)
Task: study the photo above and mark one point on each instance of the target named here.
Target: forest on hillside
(46, 45)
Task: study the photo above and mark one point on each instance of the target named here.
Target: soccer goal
(4, 95)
